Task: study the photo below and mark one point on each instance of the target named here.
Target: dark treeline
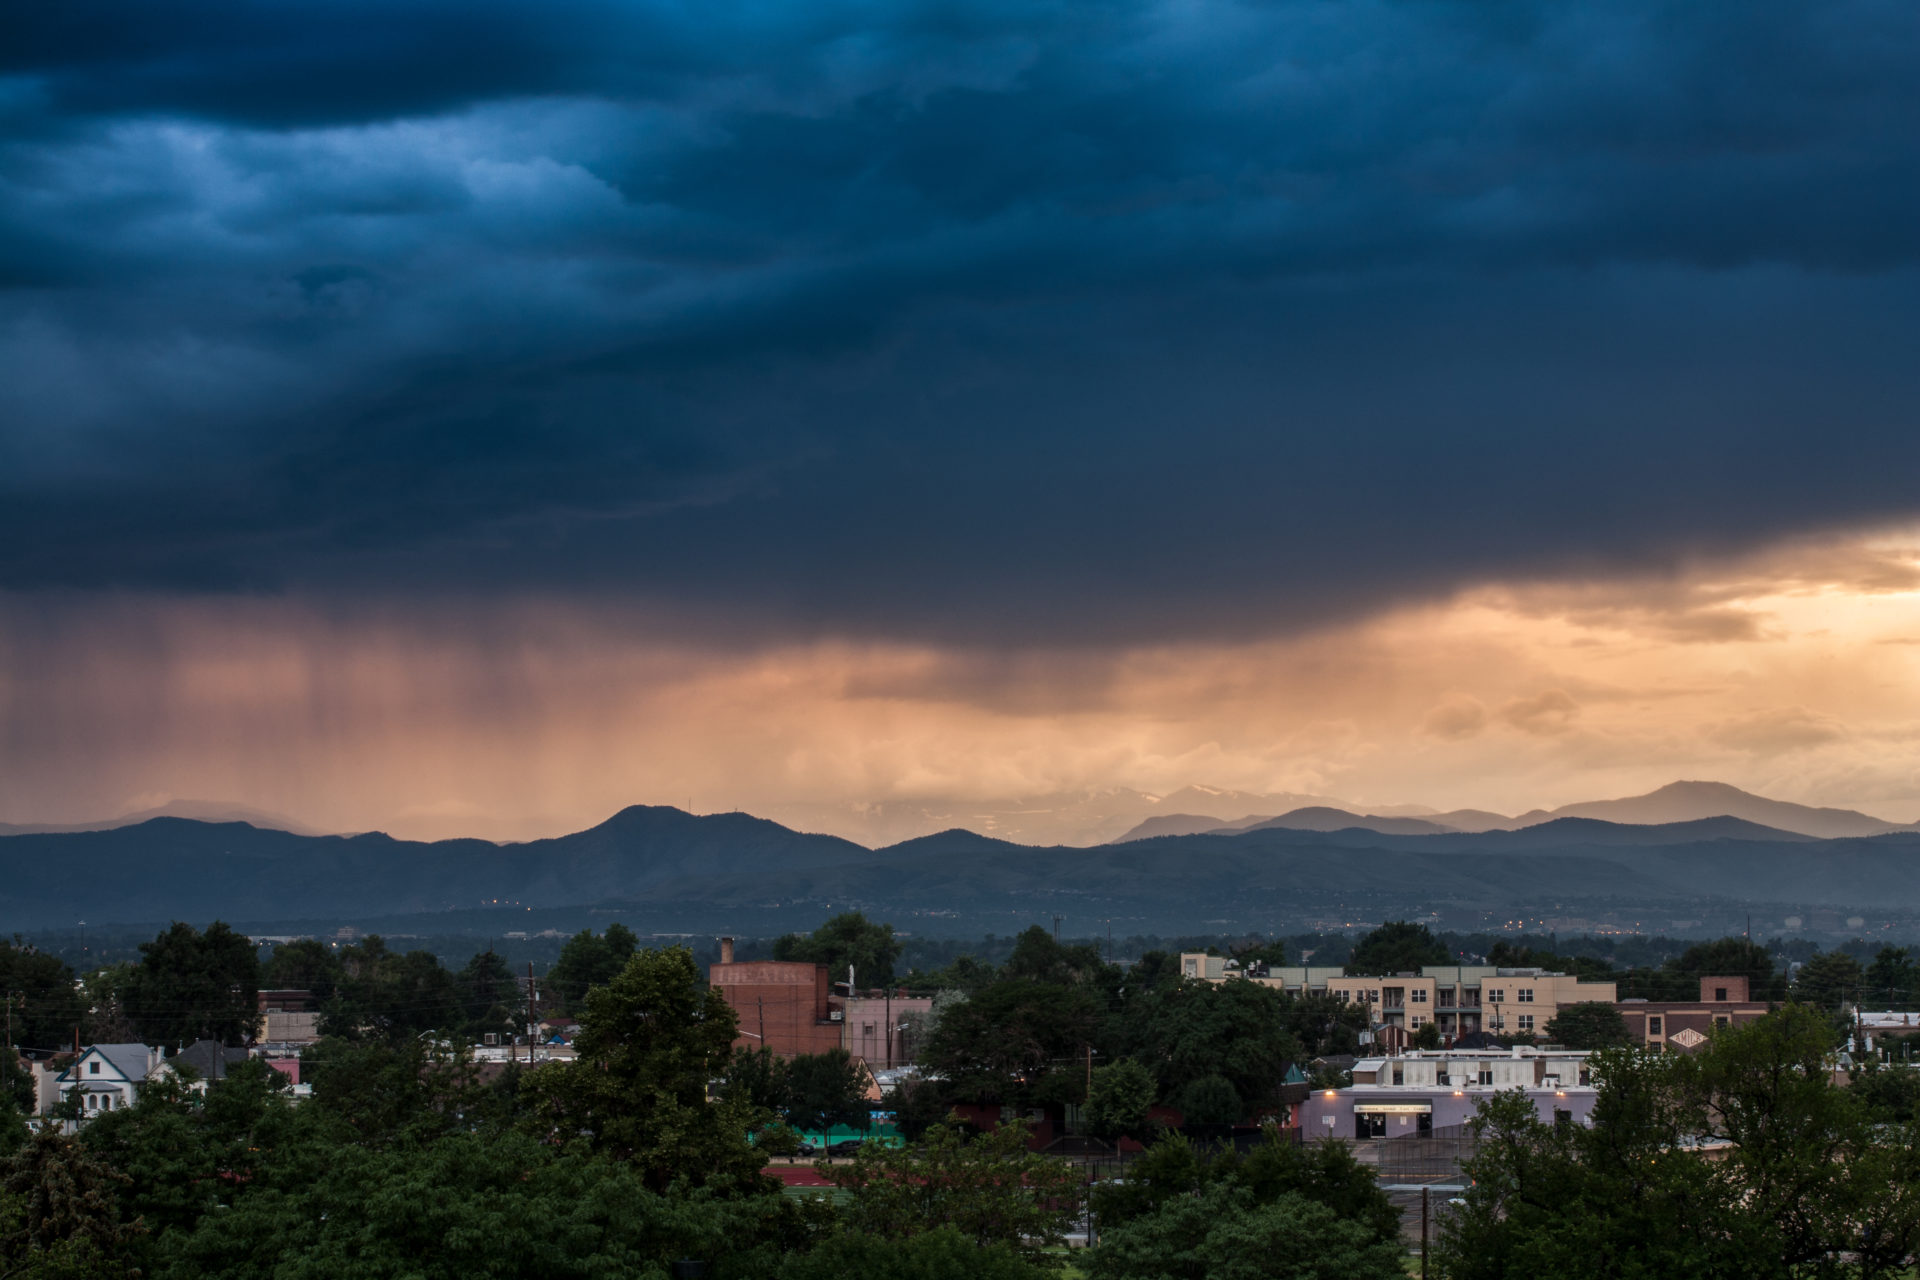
(409, 1158)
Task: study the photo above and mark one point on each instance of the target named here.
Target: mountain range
(1110, 815)
(1675, 802)
(675, 866)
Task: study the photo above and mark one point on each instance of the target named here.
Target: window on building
(1486, 1075)
(1399, 1075)
(1561, 1119)
(1526, 1022)
(1496, 994)
(1653, 1024)
(93, 1068)
(1193, 968)
(1417, 996)
(1416, 1022)
(1524, 995)
(1719, 993)
(866, 1029)
(1721, 1020)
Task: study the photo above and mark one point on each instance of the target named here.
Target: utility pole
(760, 1003)
(1424, 1193)
(1056, 925)
(21, 996)
(532, 1020)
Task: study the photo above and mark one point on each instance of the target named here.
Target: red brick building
(1684, 1026)
(785, 1006)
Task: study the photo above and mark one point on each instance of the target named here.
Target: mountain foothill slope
(174, 868)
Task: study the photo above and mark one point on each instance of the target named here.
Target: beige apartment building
(1458, 999)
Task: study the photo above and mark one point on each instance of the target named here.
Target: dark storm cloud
(995, 320)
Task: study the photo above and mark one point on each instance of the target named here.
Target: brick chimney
(726, 951)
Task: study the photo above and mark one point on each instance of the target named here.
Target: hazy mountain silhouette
(1326, 818)
(198, 810)
(1677, 802)
(1686, 801)
(669, 860)
(1171, 824)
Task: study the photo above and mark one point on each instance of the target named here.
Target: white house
(107, 1076)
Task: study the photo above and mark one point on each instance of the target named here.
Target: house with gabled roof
(206, 1060)
(107, 1077)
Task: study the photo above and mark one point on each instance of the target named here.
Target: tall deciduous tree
(489, 997)
(1396, 947)
(650, 1042)
(385, 993)
(1236, 1031)
(849, 939)
(988, 1187)
(304, 964)
(1829, 980)
(195, 986)
(1018, 1041)
(588, 960)
(825, 1089)
(1119, 1100)
(1589, 1025)
(46, 1007)
(1892, 980)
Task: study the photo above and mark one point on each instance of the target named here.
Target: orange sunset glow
(1791, 672)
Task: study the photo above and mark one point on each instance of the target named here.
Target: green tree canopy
(194, 986)
(847, 939)
(1679, 978)
(1589, 1025)
(758, 1077)
(1234, 1030)
(470, 1205)
(1040, 957)
(1211, 1100)
(943, 1253)
(1829, 979)
(1122, 1094)
(1803, 1178)
(304, 964)
(588, 960)
(1323, 1172)
(60, 1212)
(489, 997)
(988, 1187)
(1396, 947)
(46, 1006)
(649, 1043)
(825, 1089)
(384, 993)
(1892, 980)
(1267, 951)
(1016, 1041)
(1508, 955)
(1223, 1234)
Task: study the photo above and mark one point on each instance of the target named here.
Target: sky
(473, 419)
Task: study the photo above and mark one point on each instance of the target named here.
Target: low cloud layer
(536, 715)
(1016, 325)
